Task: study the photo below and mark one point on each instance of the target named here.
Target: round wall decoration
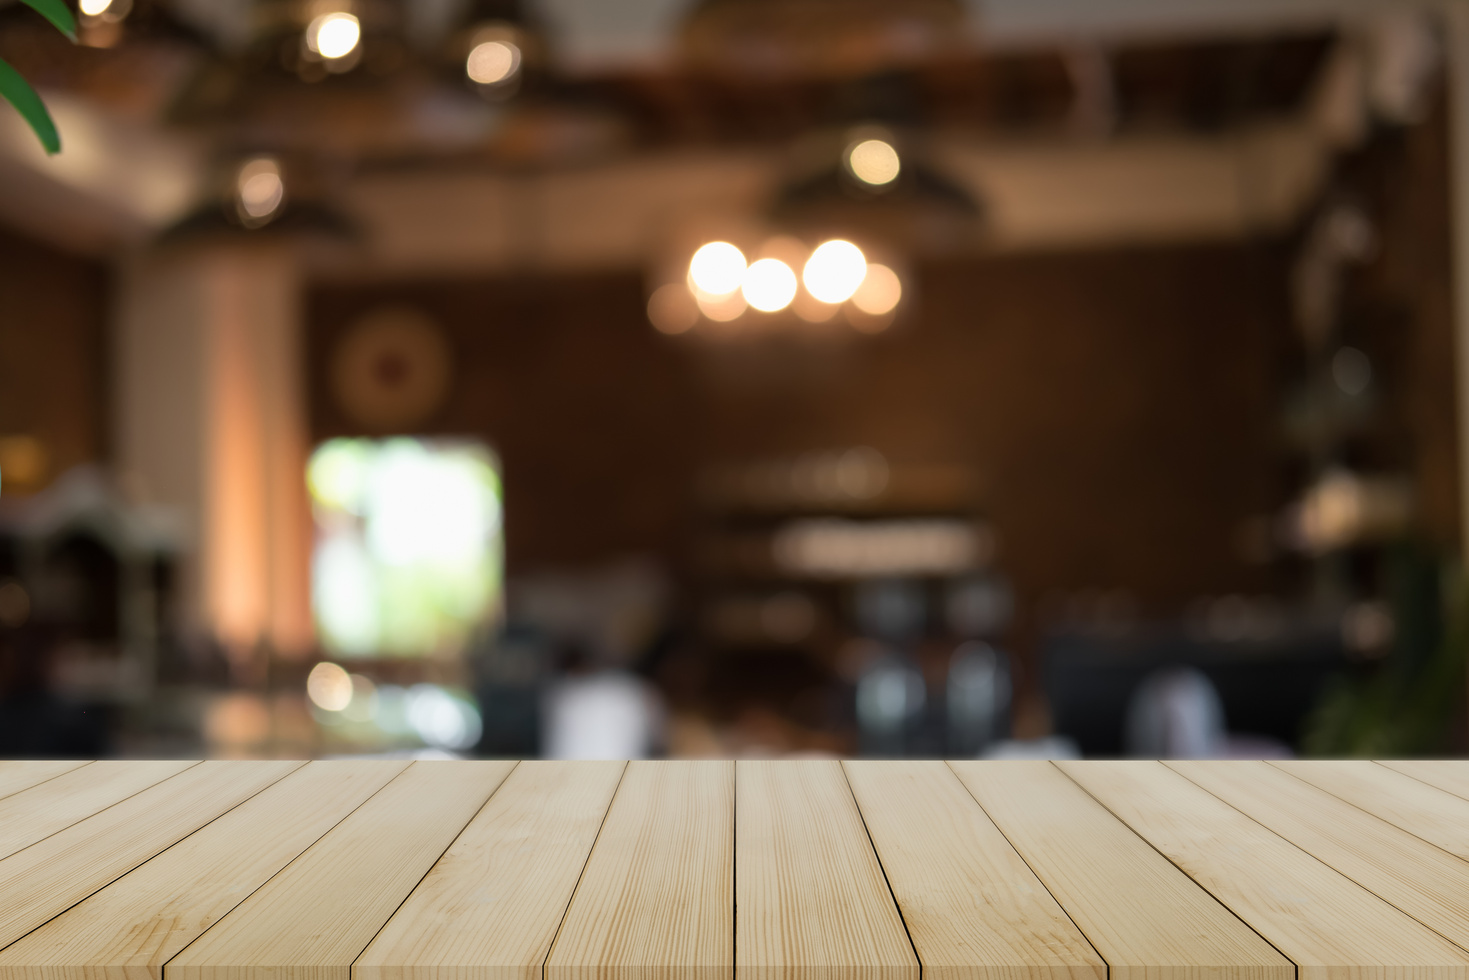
(391, 370)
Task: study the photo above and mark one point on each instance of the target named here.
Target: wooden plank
(50, 876)
(1327, 923)
(810, 899)
(16, 776)
(1407, 871)
(1399, 798)
(129, 929)
(973, 909)
(313, 919)
(1449, 775)
(656, 901)
(56, 804)
(490, 907)
(1146, 918)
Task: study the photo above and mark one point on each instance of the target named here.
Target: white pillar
(210, 422)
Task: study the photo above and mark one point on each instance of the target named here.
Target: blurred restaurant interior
(736, 378)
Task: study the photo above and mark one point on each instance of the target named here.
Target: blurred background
(755, 378)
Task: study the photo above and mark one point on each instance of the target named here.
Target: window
(408, 554)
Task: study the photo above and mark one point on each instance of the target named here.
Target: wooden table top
(764, 870)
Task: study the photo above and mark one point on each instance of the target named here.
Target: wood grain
(729, 871)
(1402, 800)
(313, 919)
(51, 875)
(1391, 863)
(973, 909)
(490, 908)
(1449, 775)
(1328, 924)
(1146, 918)
(16, 776)
(56, 804)
(129, 929)
(656, 901)
(811, 902)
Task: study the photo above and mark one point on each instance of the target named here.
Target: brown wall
(1399, 310)
(53, 309)
(1118, 407)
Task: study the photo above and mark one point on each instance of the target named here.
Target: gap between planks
(572, 950)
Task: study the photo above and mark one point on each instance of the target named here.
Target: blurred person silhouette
(891, 692)
(599, 714)
(1176, 714)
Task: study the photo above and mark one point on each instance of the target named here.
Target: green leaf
(18, 92)
(57, 13)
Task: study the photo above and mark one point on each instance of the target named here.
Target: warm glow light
(879, 292)
(94, 8)
(329, 686)
(769, 285)
(334, 35)
(717, 268)
(493, 62)
(672, 309)
(873, 162)
(834, 271)
(812, 310)
(722, 309)
(259, 188)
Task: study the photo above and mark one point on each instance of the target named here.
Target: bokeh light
(672, 310)
(722, 308)
(769, 285)
(94, 8)
(259, 190)
(873, 161)
(880, 290)
(441, 719)
(329, 686)
(493, 62)
(834, 271)
(334, 35)
(717, 268)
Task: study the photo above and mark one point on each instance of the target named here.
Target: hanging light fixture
(873, 160)
(834, 271)
(876, 184)
(784, 281)
(498, 45)
(259, 191)
(333, 36)
(869, 182)
(264, 194)
(100, 21)
(331, 39)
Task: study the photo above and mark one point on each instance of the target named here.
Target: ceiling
(1058, 114)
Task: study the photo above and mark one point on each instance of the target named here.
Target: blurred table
(661, 870)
